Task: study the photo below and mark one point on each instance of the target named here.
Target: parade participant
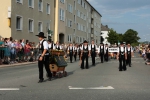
(43, 57)
(58, 46)
(51, 46)
(79, 51)
(70, 51)
(93, 52)
(122, 56)
(106, 53)
(101, 52)
(129, 55)
(85, 53)
(75, 51)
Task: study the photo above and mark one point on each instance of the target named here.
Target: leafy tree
(112, 37)
(131, 36)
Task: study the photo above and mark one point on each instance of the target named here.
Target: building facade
(78, 21)
(26, 18)
(68, 20)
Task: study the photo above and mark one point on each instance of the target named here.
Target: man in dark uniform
(93, 48)
(101, 52)
(70, 51)
(85, 54)
(50, 45)
(106, 53)
(43, 57)
(58, 46)
(122, 56)
(75, 51)
(129, 55)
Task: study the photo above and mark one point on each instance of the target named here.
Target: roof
(93, 8)
(104, 28)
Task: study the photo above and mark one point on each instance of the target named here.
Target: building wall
(5, 30)
(31, 13)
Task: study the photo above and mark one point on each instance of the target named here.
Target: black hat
(85, 41)
(41, 34)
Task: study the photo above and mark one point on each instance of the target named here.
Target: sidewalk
(17, 64)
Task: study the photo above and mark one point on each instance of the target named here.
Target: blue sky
(122, 15)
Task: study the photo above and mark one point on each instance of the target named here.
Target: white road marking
(91, 88)
(9, 89)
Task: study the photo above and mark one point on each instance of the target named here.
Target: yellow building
(69, 20)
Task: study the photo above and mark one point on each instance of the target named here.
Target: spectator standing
(27, 51)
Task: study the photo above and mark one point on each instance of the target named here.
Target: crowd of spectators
(144, 51)
(17, 51)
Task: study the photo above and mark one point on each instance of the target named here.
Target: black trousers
(84, 57)
(79, 54)
(128, 59)
(122, 63)
(102, 57)
(106, 56)
(75, 56)
(44, 62)
(93, 54)
(71, 55)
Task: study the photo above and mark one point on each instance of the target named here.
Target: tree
(113, 37)
(131, 36)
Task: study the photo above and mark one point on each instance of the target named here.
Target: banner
(113, 49)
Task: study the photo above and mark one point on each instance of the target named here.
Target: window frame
(21, 23)
(31, 31)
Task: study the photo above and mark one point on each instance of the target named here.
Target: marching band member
(85, 54)
(129, 54)
(43, 57)
(101, 51)
(106, 53)
(57, 46)
(93, 48)
(75, 51)
(70, 51)
(79, 51)
(122, 56)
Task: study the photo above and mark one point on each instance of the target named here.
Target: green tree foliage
(131, 36)
(112, 37)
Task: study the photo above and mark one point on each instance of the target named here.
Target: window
(31, 3)
(19, 1)
(48, 8)
(79, 1)
(40, 5)
(40, 27)
(78, 13)
(69, 23)
(62, 1)
(62, 14)
(78, 26)
(80, 39)
(31, 23)
(70, 8)
(69, 38)
(19, 23)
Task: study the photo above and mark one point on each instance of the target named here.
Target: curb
(18, 64)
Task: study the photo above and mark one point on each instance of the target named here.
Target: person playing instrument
(101, 52)
(43, 57)
(129, 55)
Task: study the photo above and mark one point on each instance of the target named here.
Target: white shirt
(56, 46)
(45, 44)
(122, 49)
(128, 48)
(85, 47)
(13, 48)
(101, 48)
(50, 45)
(70, 48)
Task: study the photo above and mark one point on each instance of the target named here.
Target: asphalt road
(87, 84)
